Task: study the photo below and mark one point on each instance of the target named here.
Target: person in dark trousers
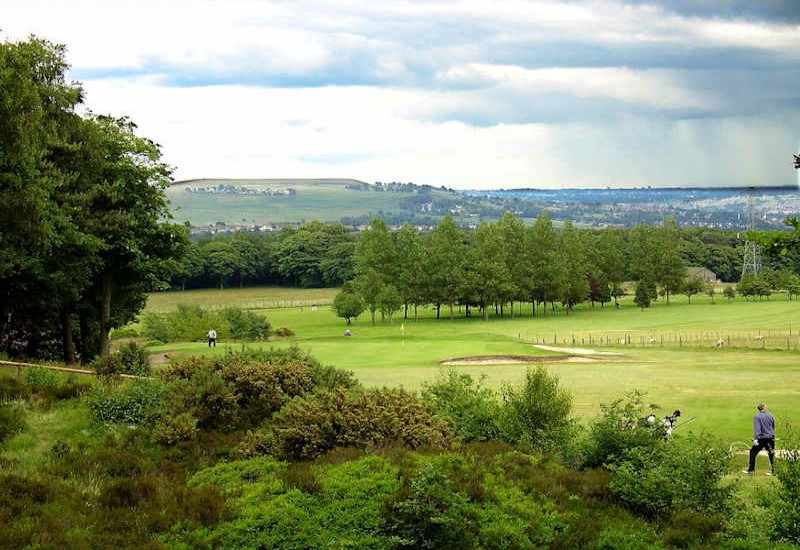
(763, 438)
(212, 338)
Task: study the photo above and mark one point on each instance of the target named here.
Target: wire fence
(758, 340)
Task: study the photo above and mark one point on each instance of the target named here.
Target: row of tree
(323, 254)
(84, 231)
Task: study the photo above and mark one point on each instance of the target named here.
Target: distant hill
(226, 204)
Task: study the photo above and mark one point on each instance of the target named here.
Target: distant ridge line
(282, 181)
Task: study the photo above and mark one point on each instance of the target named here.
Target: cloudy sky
(467, 94)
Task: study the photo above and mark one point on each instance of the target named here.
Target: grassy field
(669, 351)
(326, 201)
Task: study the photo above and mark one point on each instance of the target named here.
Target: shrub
(472, 408)
(311, 425)
(208, 397)
(38, 378)
(12, 388)
(284, 332)
(451, 501)
(130, 359)
(11, 423)
(538, 413)
(619, 428)
(243, 324)
(130, 403)
(676, 475)
(170, 430)
(134, 360)
(786, 508)
(263, 388)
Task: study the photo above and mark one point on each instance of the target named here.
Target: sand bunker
(514, 359)
(581, 351)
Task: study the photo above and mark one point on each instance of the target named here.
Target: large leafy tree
(37, 117)
(83, 215)
(126, 209)
(375, 265)
(573, 254)
(446, 264)
(411, 267)
(492, 277)
(546, 266)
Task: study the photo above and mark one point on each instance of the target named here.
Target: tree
(411, 267)
(492, 277)
(221, 260)
(692, 286)
(447, 253)
(546, 268)
(609, 261)
(573, 258)
(670, 269)
(645, 293)
(729, 292)
(375, 264)
(711, 290)
(128, 212)
(348, 304)
(83, 213)
(516, 256)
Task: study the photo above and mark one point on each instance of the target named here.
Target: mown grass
(718, 386)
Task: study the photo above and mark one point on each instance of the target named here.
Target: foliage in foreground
(329, 464)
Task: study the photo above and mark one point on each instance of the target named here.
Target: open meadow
(670, 352)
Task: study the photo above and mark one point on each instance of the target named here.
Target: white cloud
(398, 85)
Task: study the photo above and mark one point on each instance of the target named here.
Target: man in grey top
(763, 438)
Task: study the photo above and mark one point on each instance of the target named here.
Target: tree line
(84, 221)
(499, 263)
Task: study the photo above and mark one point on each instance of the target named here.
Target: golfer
(763, 438)
(212, 337)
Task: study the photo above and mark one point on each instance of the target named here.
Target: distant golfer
(212, 338)
(763, 438)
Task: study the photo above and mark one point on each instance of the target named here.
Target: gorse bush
(684, 473)
(537, 413)
(11, 422)
(191, 323)
(473, 409)
(316, 423)
(620, 427)
(130, 359)
(128, 403)
(786, 508)
(38, 378)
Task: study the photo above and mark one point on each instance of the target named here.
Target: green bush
(11, 422)
(452, 501)
(243, 324)
(134, 360)
(38, 378)
(263, 387)
(189, 323)
(12, 388)
(678, 475)
(129, 403)
(314, 424)
(209, 398)
(786, 508)
(170, 430)
(330, 506)
(537, 414)
(619, 428)
(130, 359)
(473, 409)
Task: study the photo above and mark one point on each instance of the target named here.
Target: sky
(464, 94)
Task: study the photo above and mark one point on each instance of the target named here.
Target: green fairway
(669, 351)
